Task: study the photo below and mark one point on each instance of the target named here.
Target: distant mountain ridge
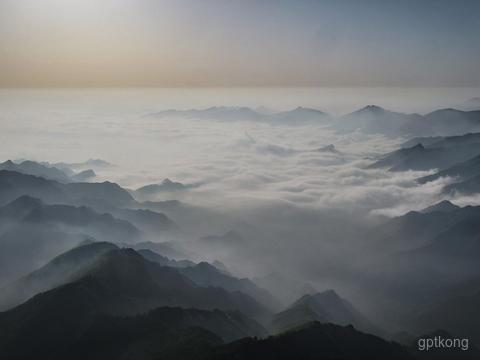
(374, 119)
(299, 115)
(431, 153)
(371, 119)
(31, 210)
(47, 171)
(166, 185)
(314, 341)
(326, 307)
(62, 269)
(463, 171)
(205, 274)
(106, 194)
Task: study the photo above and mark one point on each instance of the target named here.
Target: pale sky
(239, 43)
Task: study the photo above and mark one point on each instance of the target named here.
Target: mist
(299, 210)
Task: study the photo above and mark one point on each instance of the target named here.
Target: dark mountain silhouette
(427, 253)
(64, 268)
(221, 267)
(452, 121)
(371, 119)
(163, 260)
(166, 185)
(462, 171)
(83, 175)
(414, 158)
(58, 172)
(167, 248)
(80, 166)
(374, 119)
(459, 243)
(102, 195)
(301, 116)
(410, 231)
(444, 122)
(459, 141)
(147, 220)
(444, 206)
(326, 307)
(28, 210)
(164, 333)
(297, 116)
(205, 274)
(314, 341)
(69, 322)
(20, 207)
(456, 141)
(34, 232)
(14, 184)
(467, 187)
(105, 193)
(119, 282)
(328, 149)
(457, 157)
(434, 153)
(102, 226)
(425, 141)
(140, 285)
(33, 168)
(415, 230)
(26, 247)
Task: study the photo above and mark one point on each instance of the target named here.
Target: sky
(230, 43)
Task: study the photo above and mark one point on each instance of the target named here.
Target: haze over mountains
(275, 215)
(371, 119)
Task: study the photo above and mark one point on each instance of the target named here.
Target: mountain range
(314, 341)
(376, 120)
(371, 119)
(103, 195)
(325, 307)
(47, 171)
(456, 158)
(460, 172)
(89, 271)
(205, 274)
(297, 116)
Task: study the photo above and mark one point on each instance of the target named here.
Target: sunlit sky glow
(239, 43)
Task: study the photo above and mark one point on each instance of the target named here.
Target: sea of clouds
(304, 208)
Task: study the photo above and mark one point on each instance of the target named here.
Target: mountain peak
(306, 109)
(329, 294)
(371, 109)
(443, 206)
(418, 146)
(8, 163)
(21, 206)
(26, 200)
(328, 148)
(324, 296)
(206, 266)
